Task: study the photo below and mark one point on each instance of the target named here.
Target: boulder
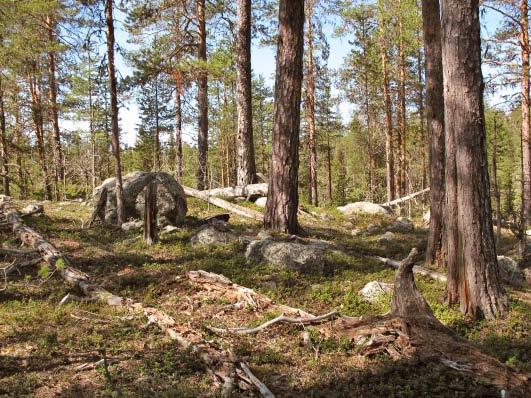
(373, 290)
(373, 229)
(132, 225)
(363, 208)
(426, 218)
(171, 199)
(214, 233)
(510, 273)
(402, 225)
(387, 237)
(261, 202)
(296, 256)
(33, 209)
(5, 199)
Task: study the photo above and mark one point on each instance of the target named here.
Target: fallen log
(221, 363)
(238, 192)
(417, 269)
(405, 198)
(240, 210)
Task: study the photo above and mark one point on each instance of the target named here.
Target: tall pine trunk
(3, 144)
(283, 200)
(310, 105)
(435, 115)
(476, 274)
(401, 131)
(38, 122)
(526, 143)
(59, 171)
(178, 136)
(245, 161)
(114, 113)
(202, 98)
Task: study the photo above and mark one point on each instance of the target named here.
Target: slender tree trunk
(421, 119)
(435, 115)
(156, 157)
(3, 144)
(36, 112)
(477, 278)
(401, 117)
(329, 166)
(310, 105)
(526, 121)
(283, 199)
(202, 99)
(245, 165)
(150, 213)
(495, 187)
(114, 113)
(59, 171)
(178, 137)
(389, 150)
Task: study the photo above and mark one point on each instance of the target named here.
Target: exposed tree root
(221, 363)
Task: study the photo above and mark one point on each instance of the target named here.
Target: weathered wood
(221, 363)
(417, 269)
(405, 198)
(240, 210)
(243, 191)
(150, 213)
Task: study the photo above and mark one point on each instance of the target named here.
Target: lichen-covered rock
(373, 229)
(510, 273)
(372, 291)
(132, 225)
(387, 237)
(402, 225)
(261, 202)
(5, 199)
(171, 199)
(296, 256)
(214, 233)
(363, 208)
(35, 208)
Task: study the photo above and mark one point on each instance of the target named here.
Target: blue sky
(263, 63)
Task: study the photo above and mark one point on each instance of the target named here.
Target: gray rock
(171, 200)
(387, 237)
(401, 224)
(373, 290)
(527, 275)
(33, 209)
(5, 199)
(215, 233)
(362, 208)
(426, 218)
(510, 273)
(373, 229)
(356, 232)
(289, 255)
(168, 229)
(132, 225)
(261, 201)
(264, 234)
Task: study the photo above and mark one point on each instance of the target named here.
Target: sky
(263, 63)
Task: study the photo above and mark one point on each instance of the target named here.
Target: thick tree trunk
(435, 114)
(480, 291)
(59, 171)
(37, 116)
(526, 121)
(283, 199)
(150, 213)
(3, 144)
(114, 113)
(178, 137)
(310, 106)
(245, 167)
(202, 99)
(156, 149)
(389, 150)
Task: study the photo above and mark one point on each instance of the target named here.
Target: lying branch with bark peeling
(220, 363)
(238, 192)
(417, 269)
(405, 198)
(240, 210)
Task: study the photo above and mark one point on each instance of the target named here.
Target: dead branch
(417, 269)
(238, 192)
(405, 198)
(220, 363)
(240, 210)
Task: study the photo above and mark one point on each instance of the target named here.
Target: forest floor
(43, 344)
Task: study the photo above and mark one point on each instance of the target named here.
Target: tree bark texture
(245, 166)
(526, 121)
(150, 213)
(3, 144)
(435, 115)
(202, 98)
(114, 112)
(178, 137)
(476, 274)
(283, 201)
